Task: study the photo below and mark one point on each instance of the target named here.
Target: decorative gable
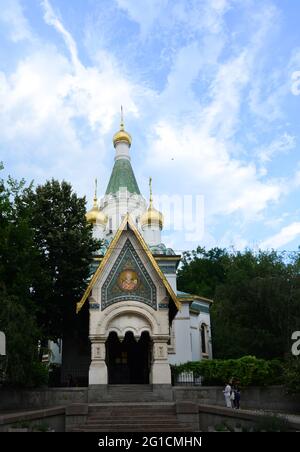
(128, 223)
(128, 280)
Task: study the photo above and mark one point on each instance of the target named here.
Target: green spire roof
(122, 176)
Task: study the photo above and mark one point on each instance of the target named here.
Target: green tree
(201, 270)
(256, 299)
(64, 242)
(22, 363)
(45, 254)
(257, 308)
(18, 267)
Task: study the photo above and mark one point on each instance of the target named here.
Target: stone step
(132, 387)
(134, 398)
(134, 428)
(132, 417)
(127, 414)
(137, 411)
(131, 398)
(132, 410)
(132, 420)
(161, 404)
(123, 424)
(145, 430)
(130, 393)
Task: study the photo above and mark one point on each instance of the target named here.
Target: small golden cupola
(122, 135)
(152, 217)
(95, 215)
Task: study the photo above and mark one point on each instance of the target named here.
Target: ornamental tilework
(169, 269)
(128, 280)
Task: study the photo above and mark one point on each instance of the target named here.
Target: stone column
(98, 369)
(160, 369)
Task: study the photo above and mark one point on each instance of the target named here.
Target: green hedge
(248, 370)
(292, 375)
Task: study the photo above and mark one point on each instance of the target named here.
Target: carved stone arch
(114, 329)
(128, 317)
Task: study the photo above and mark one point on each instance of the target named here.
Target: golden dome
(95, 215)
(152, 216)
(122, 135)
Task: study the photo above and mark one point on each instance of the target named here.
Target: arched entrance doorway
(128, 361)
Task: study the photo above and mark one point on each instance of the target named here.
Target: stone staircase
(132, 393)
(132, 417)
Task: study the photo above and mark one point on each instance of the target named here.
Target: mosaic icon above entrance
(128, 280)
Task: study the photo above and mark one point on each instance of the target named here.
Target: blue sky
(211, 93)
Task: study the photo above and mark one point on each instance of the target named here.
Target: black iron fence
(185, 379)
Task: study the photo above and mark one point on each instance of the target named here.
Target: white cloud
(221, 115)
(144, 13)
(294, 72)
(177, 15)
(201, 143)
(296, 181)
(94, 92)
(12, 16)
(294, 63)
(204, 164)
(55, 111)
(52, 19)
(233, 240)
(280, 145)
(47, 83)
(286, 235)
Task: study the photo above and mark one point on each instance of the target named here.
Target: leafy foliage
(64, 243)
(248, 370)
(22, 363)
(271, 423)
(292, 376)
(256, 299)
(45, 251)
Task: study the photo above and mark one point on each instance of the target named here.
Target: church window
(204, 339)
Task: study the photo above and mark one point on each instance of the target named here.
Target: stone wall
(267, 398)
(237, 420)
(40, 398)
(50, 418)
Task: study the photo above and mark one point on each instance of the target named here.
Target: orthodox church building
(139, 323)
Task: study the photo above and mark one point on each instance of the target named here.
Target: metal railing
(186, 379)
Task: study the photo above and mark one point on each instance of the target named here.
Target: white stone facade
(116, 206)
(129, 316)
(175, 339)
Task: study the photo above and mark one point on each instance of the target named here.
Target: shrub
(42, 427)
(292, 376)
(248, 370)
(221, 428)
(39, 374)
(271, 423)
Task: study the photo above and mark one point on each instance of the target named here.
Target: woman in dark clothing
(237, 397)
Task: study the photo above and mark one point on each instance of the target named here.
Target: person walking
(232, 397)
(237, 397)
(227, 394)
